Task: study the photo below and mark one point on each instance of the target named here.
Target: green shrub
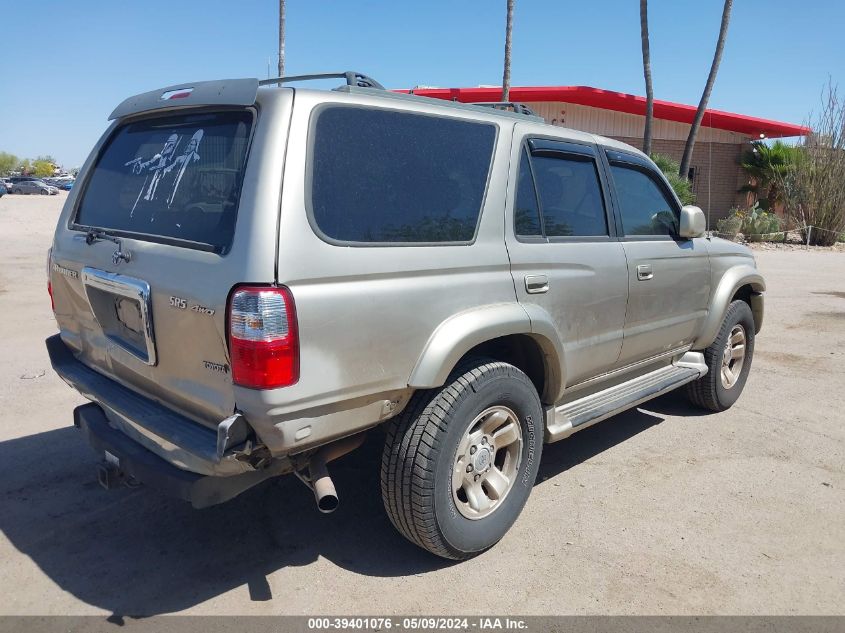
(812, 186)
(670, 167)
(754, 223)
(759, 224)
(730, 226)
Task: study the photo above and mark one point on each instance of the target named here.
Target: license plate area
(121, 305)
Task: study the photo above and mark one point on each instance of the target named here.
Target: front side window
(176, 177)
(570, 197)
(645, 208)
(379, 176)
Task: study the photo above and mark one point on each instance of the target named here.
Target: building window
(691, 176)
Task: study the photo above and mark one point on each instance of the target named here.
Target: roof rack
(353, 78)
(519, 108)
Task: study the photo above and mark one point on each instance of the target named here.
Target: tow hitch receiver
(109, 475)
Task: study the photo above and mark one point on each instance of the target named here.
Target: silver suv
(250, 277)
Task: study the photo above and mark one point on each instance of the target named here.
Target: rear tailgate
(167, 219)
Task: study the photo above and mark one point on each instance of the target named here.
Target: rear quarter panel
(365, 313)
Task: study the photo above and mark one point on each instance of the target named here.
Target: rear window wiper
(93, 235)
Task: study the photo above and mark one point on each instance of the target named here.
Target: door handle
(644, 272)
(536, 284)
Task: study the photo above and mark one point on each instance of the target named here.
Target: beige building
(723, 137)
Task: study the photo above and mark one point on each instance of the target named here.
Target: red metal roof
(621, 102)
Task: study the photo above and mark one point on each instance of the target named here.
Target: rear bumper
(134, 461)
(176, 440)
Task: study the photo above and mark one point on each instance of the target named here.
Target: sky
(68, 64)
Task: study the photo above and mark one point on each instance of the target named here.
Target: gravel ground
(661, 510)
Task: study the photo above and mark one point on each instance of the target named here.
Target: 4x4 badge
(182, 304)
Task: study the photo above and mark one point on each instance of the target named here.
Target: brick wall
(725, 179)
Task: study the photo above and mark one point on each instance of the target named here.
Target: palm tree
(281, 38)
(708, 88)
(506, 78)
(767, 166)
(649, 92)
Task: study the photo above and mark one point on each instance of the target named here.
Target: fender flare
(458, 334)
(731, 281)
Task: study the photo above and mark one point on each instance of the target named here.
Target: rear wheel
(459, 462)
(728, 361)
(17, 191)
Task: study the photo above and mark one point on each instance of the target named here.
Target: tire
(428, 443)
(715, 390)
(17, 191)
(44, 192)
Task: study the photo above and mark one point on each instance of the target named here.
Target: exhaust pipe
(318, 473)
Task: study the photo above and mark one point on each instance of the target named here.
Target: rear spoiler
(230, 92)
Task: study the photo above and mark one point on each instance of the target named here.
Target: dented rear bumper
(131, 460)
(177, 440)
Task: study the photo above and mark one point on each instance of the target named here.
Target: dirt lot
(659, 510)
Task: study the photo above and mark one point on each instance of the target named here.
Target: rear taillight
(263, 340)
(49, 282)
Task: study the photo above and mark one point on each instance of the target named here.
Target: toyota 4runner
(249, 277)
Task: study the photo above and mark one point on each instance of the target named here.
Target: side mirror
(693, 222)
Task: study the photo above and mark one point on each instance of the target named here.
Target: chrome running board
(579, 414)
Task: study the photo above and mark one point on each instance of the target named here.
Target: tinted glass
(382, 176)
(570, 196)
(646, 210)
(176, 177)
(526, 219)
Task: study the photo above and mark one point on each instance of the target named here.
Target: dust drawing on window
(165, 170)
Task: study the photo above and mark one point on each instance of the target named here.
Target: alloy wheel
(733, 356)
(487, 462)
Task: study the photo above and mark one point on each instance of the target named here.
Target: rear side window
(645, 207)
(570, 197)
(173, 178)
(526, 219)
(384, 176)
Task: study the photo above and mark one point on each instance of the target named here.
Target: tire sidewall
(741, 314)
(468, 535)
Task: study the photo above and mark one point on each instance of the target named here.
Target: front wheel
(728, 361)
(460, 461)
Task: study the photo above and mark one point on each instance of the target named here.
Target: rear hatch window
(170, 179)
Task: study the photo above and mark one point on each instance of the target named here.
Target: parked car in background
(34, 186)
(67, 186)
(7, 184)
(3, 190)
